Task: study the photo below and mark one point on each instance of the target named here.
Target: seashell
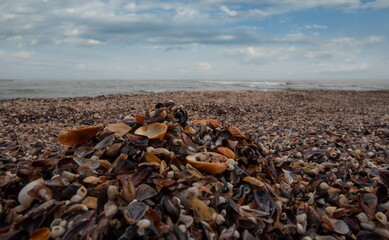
(138, 140)
(382, 231)
(112, 192)
(265, 202)
(254, 181)
(106, 142)
(57, 231)
(67, 164)
(40, 234)
(119, 129)
(76, 136)
(207, 162)
(236, 132)
(229, 233)
(110, 209)
(80, 194)
(153, 130)
(135, 211)
(213, 122)
(201, 210)
(381, 217)
(142, 225)
(139, 118)
(113, 150)
(41, 193)
(94, 164)
(186, 219)
(152, 158)
(91, 180)
(84, 151)
(24, 198)
(339, 226)
(144, 192)
(363, 235)
(192, 170)
(226, 152)
(189, 130)
(158, 116)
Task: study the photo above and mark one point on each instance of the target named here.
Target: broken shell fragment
(135, 211)
(208, 162)
(71, 137)
(40, 234)
(226, 152)
(153, 130)
(24, 198)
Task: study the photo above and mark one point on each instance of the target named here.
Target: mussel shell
(138, 140)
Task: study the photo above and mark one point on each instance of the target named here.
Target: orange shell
(226, 152)
(139, 118)
(207, 166)
(215, 123)
(153, 130)
(152, 158)
(71, 137)
(189, 129)
(40, 234)
(90, 202)
(236, 132)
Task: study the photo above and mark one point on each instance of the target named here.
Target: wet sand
(29, 126)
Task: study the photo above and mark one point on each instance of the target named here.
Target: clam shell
(71, 137)
(226, 152)
(153, 130)
(119, 128)
(209, 167)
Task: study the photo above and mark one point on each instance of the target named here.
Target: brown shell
(71, 137)
(119, 128)
(90, 202)
(226, 152)
(236, 132)
(215, 123)
(153, 130)
(139, 118)
(209, 167)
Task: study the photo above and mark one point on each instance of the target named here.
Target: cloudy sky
(204, 39)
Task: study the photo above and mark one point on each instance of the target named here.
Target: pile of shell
(160, 176)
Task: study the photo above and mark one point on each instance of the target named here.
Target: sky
(194, 40)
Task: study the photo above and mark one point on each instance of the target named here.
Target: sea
(10, 89)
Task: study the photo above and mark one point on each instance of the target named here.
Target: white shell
(24, 199)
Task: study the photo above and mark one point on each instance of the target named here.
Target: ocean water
(72, 88)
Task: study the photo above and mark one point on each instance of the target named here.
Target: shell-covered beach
(298, 165)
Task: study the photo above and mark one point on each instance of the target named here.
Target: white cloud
(315, 26)
(377, 4)
(204, 66)
(375, 39)
(229, 12)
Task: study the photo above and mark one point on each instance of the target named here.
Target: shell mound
(165, 175)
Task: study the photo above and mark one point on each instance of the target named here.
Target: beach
(315, 141)
(275, 115)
